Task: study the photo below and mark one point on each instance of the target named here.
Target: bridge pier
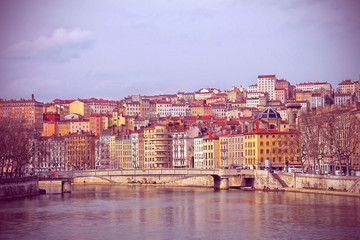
(66, 186)
(221, 183)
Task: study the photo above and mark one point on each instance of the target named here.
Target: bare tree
(328, 137)
(14, 148)
(313, 144)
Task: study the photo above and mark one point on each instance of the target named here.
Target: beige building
(346, 87)
(157, 146)
(79, 125)
(123, 154)
(267, 83)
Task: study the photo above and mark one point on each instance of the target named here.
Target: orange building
(95, 123)
(56, 128)
(28, 112)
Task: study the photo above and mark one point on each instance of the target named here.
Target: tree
(14, 148)
(328, 138)
(312, 135)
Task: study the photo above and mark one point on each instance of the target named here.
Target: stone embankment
(19, 187)
(309, 183)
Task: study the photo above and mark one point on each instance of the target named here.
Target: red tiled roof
(266, 76)
(346, 82)
(310, 83)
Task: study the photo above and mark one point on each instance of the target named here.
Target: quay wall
(19, 187)
(322, 182)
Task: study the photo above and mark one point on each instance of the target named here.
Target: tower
(293, 113)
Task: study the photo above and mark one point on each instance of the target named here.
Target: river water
(150, 212)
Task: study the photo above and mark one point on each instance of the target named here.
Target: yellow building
(211, 151)
(200, 110)
(63, 127)
(81, 108)
(271, 149)
(157, 146)
(304, 96)
(117, 118)
(80, 151)
(224, 151)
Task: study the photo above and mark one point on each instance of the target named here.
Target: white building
(137, 149)
(198, 152)
(180, 110)
(252, 102)
(102, 150)
(163, 108)
(48, 153)
(183, 147)
(342, 98)
(253, 88)
(317, 100)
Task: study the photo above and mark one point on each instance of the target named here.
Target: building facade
(80, 151)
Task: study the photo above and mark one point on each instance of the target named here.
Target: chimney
(32, 97)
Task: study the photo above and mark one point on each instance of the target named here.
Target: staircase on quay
(279, 180)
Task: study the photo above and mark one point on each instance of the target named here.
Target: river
(150, 212)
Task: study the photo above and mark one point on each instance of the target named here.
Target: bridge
(221, 176)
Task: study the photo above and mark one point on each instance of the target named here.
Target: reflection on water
(148, 212)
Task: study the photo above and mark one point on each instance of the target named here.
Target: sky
(111, 49)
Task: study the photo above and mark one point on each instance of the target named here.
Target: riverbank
(304, 190)
(19, 187)
(320, 191)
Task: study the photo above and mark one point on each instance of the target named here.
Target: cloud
(63, 45)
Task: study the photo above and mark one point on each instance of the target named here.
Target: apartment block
(271, 149)
(80, 151)
(27, 112)
(267, 83)
(157, 146)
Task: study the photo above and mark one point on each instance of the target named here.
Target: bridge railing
(143, 172)
(56, 175)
